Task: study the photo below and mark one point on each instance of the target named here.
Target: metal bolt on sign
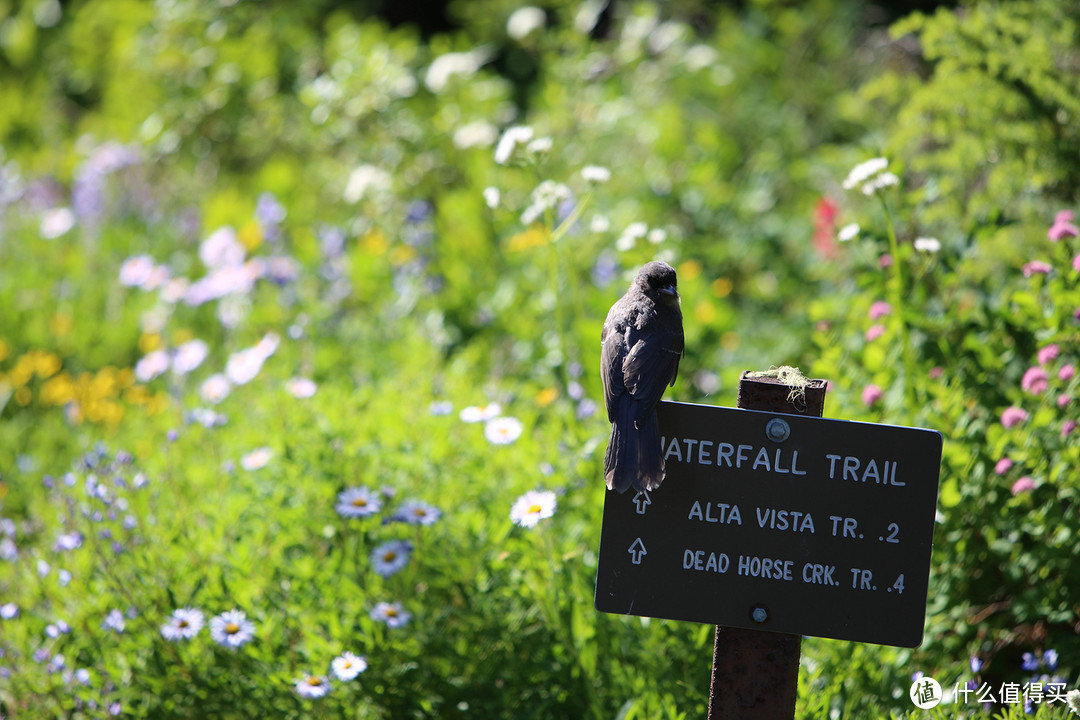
(777, 430)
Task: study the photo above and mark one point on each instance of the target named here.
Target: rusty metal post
(755, 675)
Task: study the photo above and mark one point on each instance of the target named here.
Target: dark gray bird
(642, 344)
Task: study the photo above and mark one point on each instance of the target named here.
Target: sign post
(773, 523)
(755, 674)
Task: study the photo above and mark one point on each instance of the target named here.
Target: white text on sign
(780, 461)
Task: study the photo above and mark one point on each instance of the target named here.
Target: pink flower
(1003, 466)
(1063, 227)
(1036, 267)
(1076, 263)
(880, 309)
(1048, 353)
(936, 372)
(1024, 484)
(885, 260)
(1066, 373)
(875, 332)
(1013, 416)
(1035, 381)
(1067, 427)
(1063, 400)
(871, 394)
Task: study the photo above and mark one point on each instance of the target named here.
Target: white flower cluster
(524, 21)
(524, 137)
(183, 360)
(927, 244)
(548, 195)
(637, 230)
(450, 64)
(871, 176)
(595, 174)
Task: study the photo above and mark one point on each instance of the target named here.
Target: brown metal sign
(777, 522)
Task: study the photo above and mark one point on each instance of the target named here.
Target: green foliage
(990, 135)
(317, 197)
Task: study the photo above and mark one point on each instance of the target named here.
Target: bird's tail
(634, 456)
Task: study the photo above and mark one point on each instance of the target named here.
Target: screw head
(777, 430)
(759, 615)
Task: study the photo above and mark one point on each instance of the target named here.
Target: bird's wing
(651, 365)
(612, 355)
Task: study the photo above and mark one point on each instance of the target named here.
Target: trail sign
(777, 522)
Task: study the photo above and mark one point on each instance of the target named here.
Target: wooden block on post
(755, 675)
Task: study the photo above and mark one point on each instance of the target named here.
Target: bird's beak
(670, 290)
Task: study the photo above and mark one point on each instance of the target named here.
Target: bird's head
(657, 280)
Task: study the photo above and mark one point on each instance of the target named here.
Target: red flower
(825, 212)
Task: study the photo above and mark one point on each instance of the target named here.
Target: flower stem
(897, 292)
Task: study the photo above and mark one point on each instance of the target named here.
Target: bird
(642, 343)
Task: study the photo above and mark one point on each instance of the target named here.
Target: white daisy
(502, 430)
(189, 356)
(215, 388)
(174, 290)
(256, 458)
(391, 556)
(358, 502)
(391, 613)
(159, 275)
(221, 249)
(151, 365)
(480, 413)
(231, 629)
(415, 512)
(301, 387)
(268, 345)
(56, 222)
(347, 666)
(184, 624)
(244, 365)
(312, 686)
(135, 270)
(532, 507)
(492, 196)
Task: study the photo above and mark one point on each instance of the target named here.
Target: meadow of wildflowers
(299, 336)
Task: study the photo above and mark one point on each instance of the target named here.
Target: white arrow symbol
(637, 550)
(642, 501)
